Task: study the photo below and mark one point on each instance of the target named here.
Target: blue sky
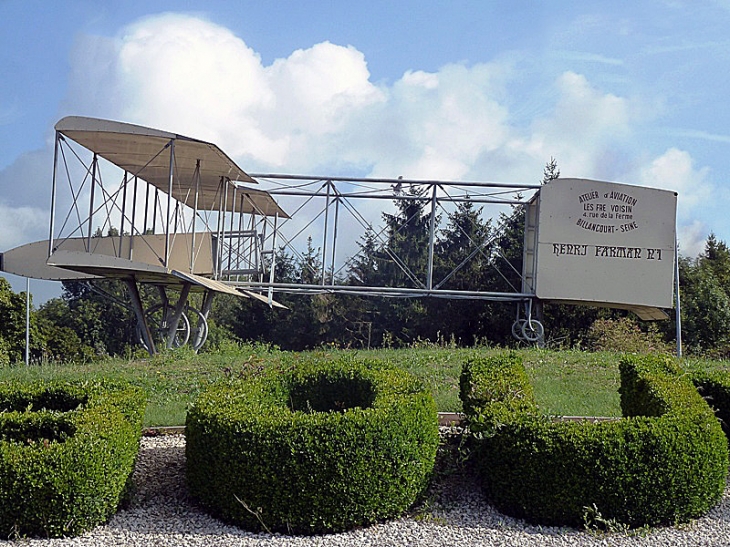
(625, 91)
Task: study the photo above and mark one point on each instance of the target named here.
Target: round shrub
(67, 451)
(323, 447)
(665, 462)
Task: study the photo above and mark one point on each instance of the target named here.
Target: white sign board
(605, 243)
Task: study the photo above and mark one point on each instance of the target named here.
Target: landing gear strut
(165, 325)
(192, 327)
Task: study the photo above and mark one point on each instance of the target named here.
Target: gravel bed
(454, 514)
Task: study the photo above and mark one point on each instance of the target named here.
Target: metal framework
(181, 216)
(333, 205)
(236, 240)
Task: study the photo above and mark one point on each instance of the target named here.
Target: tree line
(470, 252)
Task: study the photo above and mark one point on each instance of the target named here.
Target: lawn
(569, 383)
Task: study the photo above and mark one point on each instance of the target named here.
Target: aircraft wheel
(532, 331)
(158, 318)
(198, 328)
(517, 327)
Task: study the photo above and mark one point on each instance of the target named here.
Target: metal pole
(416, 182)
(239, 256)
(154, 209)
(175, 319)
(195, 215)
(146, 208)
(676, 297)
(134, 218)
(124, 212)
(27, 321)
(262, 239)
(334, 237)
(432, 234)
(91, 202)
(169, 201)
(223, 228)
(326, 227)
(233, 216)
(53, 193)
(139, 312)
(273, 261)
(216, 255)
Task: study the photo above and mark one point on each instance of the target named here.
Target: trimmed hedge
(715, 388)
(323, 447)
(67, 451)
(665, 462)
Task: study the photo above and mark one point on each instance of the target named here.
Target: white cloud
(585, 131)
(674, 170)
(188, 75)
(317, 110)
(19, 225)
(26, 181)
(692, 238)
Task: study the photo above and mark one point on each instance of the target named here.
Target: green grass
(569, 383)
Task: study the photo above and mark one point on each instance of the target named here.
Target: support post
(273, 262)
(334, 237)
(223, 229)
(195, 215)
(134, 218)
(175, 319)
(27, 321)
(230, 233)
(207, 303)
(431, 237)
(124, 212)
(239, 259)
(326, 228)
(678, 307)
(91, 202)
(154, 209)
(53, 193)
(139, 312)
(219, 232)
(146, 208)
(169, 201)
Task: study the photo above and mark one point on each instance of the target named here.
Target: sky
(481, 90)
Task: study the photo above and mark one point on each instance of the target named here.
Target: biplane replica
(185, 218)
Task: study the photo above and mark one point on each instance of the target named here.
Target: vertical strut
(334, 237)
(195, 215)
(273, 261)
(134, 218)
(175, 319)
(169, 201)
(91, 202)
(326, 227)
(431, 238)
(124, 212)
(146, 208)
(53, 193)
(139, 312)
(230, 233)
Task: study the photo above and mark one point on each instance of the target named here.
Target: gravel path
(161, 514)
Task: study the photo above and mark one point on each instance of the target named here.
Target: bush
(715, 388)
(322, 447)
(67, 451)
(625, 335)
(666, 462)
